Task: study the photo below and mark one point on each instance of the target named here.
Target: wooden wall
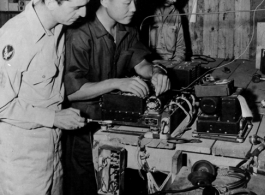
(225, 35)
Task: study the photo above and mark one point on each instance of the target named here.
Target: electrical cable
(238, 173)
(209, 13)
(231, 188)
(253, 29)
(179, 131)
(140, 165)
(188, 103)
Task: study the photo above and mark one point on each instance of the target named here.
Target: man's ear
(104, 3)
(51, 4)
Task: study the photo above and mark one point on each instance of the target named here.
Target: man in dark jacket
(99, 54)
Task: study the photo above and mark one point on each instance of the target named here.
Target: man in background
(166, 34)
(31, 94)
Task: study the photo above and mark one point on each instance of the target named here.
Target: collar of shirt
(164, 13)
(36, 27)
(100, 30)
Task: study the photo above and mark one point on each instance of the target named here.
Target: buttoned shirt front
(31, 87)
(166, 34)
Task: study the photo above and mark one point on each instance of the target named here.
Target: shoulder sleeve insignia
(8, 52)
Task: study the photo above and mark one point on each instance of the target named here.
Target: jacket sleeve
(140, 51)
(13, 62)
(77, 60)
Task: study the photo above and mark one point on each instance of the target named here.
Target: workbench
(164, 155)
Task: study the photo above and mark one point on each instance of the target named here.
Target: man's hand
(69, 119)
(134, 85)
(160, 82)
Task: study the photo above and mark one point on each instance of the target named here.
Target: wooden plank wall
(226, 30)
(210, 28)
(224, 35)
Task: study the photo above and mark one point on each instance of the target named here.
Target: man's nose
(132, 6)
(82, 11)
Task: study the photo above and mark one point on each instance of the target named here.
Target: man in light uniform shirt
(166, 34)
(31, 93)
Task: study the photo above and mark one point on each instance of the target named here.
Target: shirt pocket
(123, 63)
(170, 38)
(43, 76)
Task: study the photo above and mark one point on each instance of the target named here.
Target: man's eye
(127, 2)
(77, 7)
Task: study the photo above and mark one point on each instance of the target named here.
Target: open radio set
(220, 115)
(161, 115)
(224, 112)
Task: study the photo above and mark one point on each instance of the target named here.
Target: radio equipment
(161, 114)
(219, 88)
(221, 118)
(184, 74)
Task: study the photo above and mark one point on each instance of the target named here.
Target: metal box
(3, 5)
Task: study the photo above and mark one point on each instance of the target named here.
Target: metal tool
(106, 122)
(256, 78)
(255, 139)
(178, 140)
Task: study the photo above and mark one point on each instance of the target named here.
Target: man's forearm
(147, 69)
(92, 90)
(144, 69)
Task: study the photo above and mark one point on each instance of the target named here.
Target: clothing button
(43, 76)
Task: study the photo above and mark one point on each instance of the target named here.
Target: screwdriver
(99, 121)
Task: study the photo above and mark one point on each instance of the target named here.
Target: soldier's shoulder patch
(8, 52)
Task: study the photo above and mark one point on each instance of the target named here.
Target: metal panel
(3, 5)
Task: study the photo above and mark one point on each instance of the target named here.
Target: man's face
(69, 11)
(120, 11)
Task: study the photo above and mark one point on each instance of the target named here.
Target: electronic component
(221, 118)
(256, 78)
(210, 105)
(21, 5)
(219, 88)
(4, 5)
(231, 110)
(160, 114)
(184, 74)
(122, 107)
(111, 169)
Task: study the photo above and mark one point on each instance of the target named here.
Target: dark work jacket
(92, 56)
